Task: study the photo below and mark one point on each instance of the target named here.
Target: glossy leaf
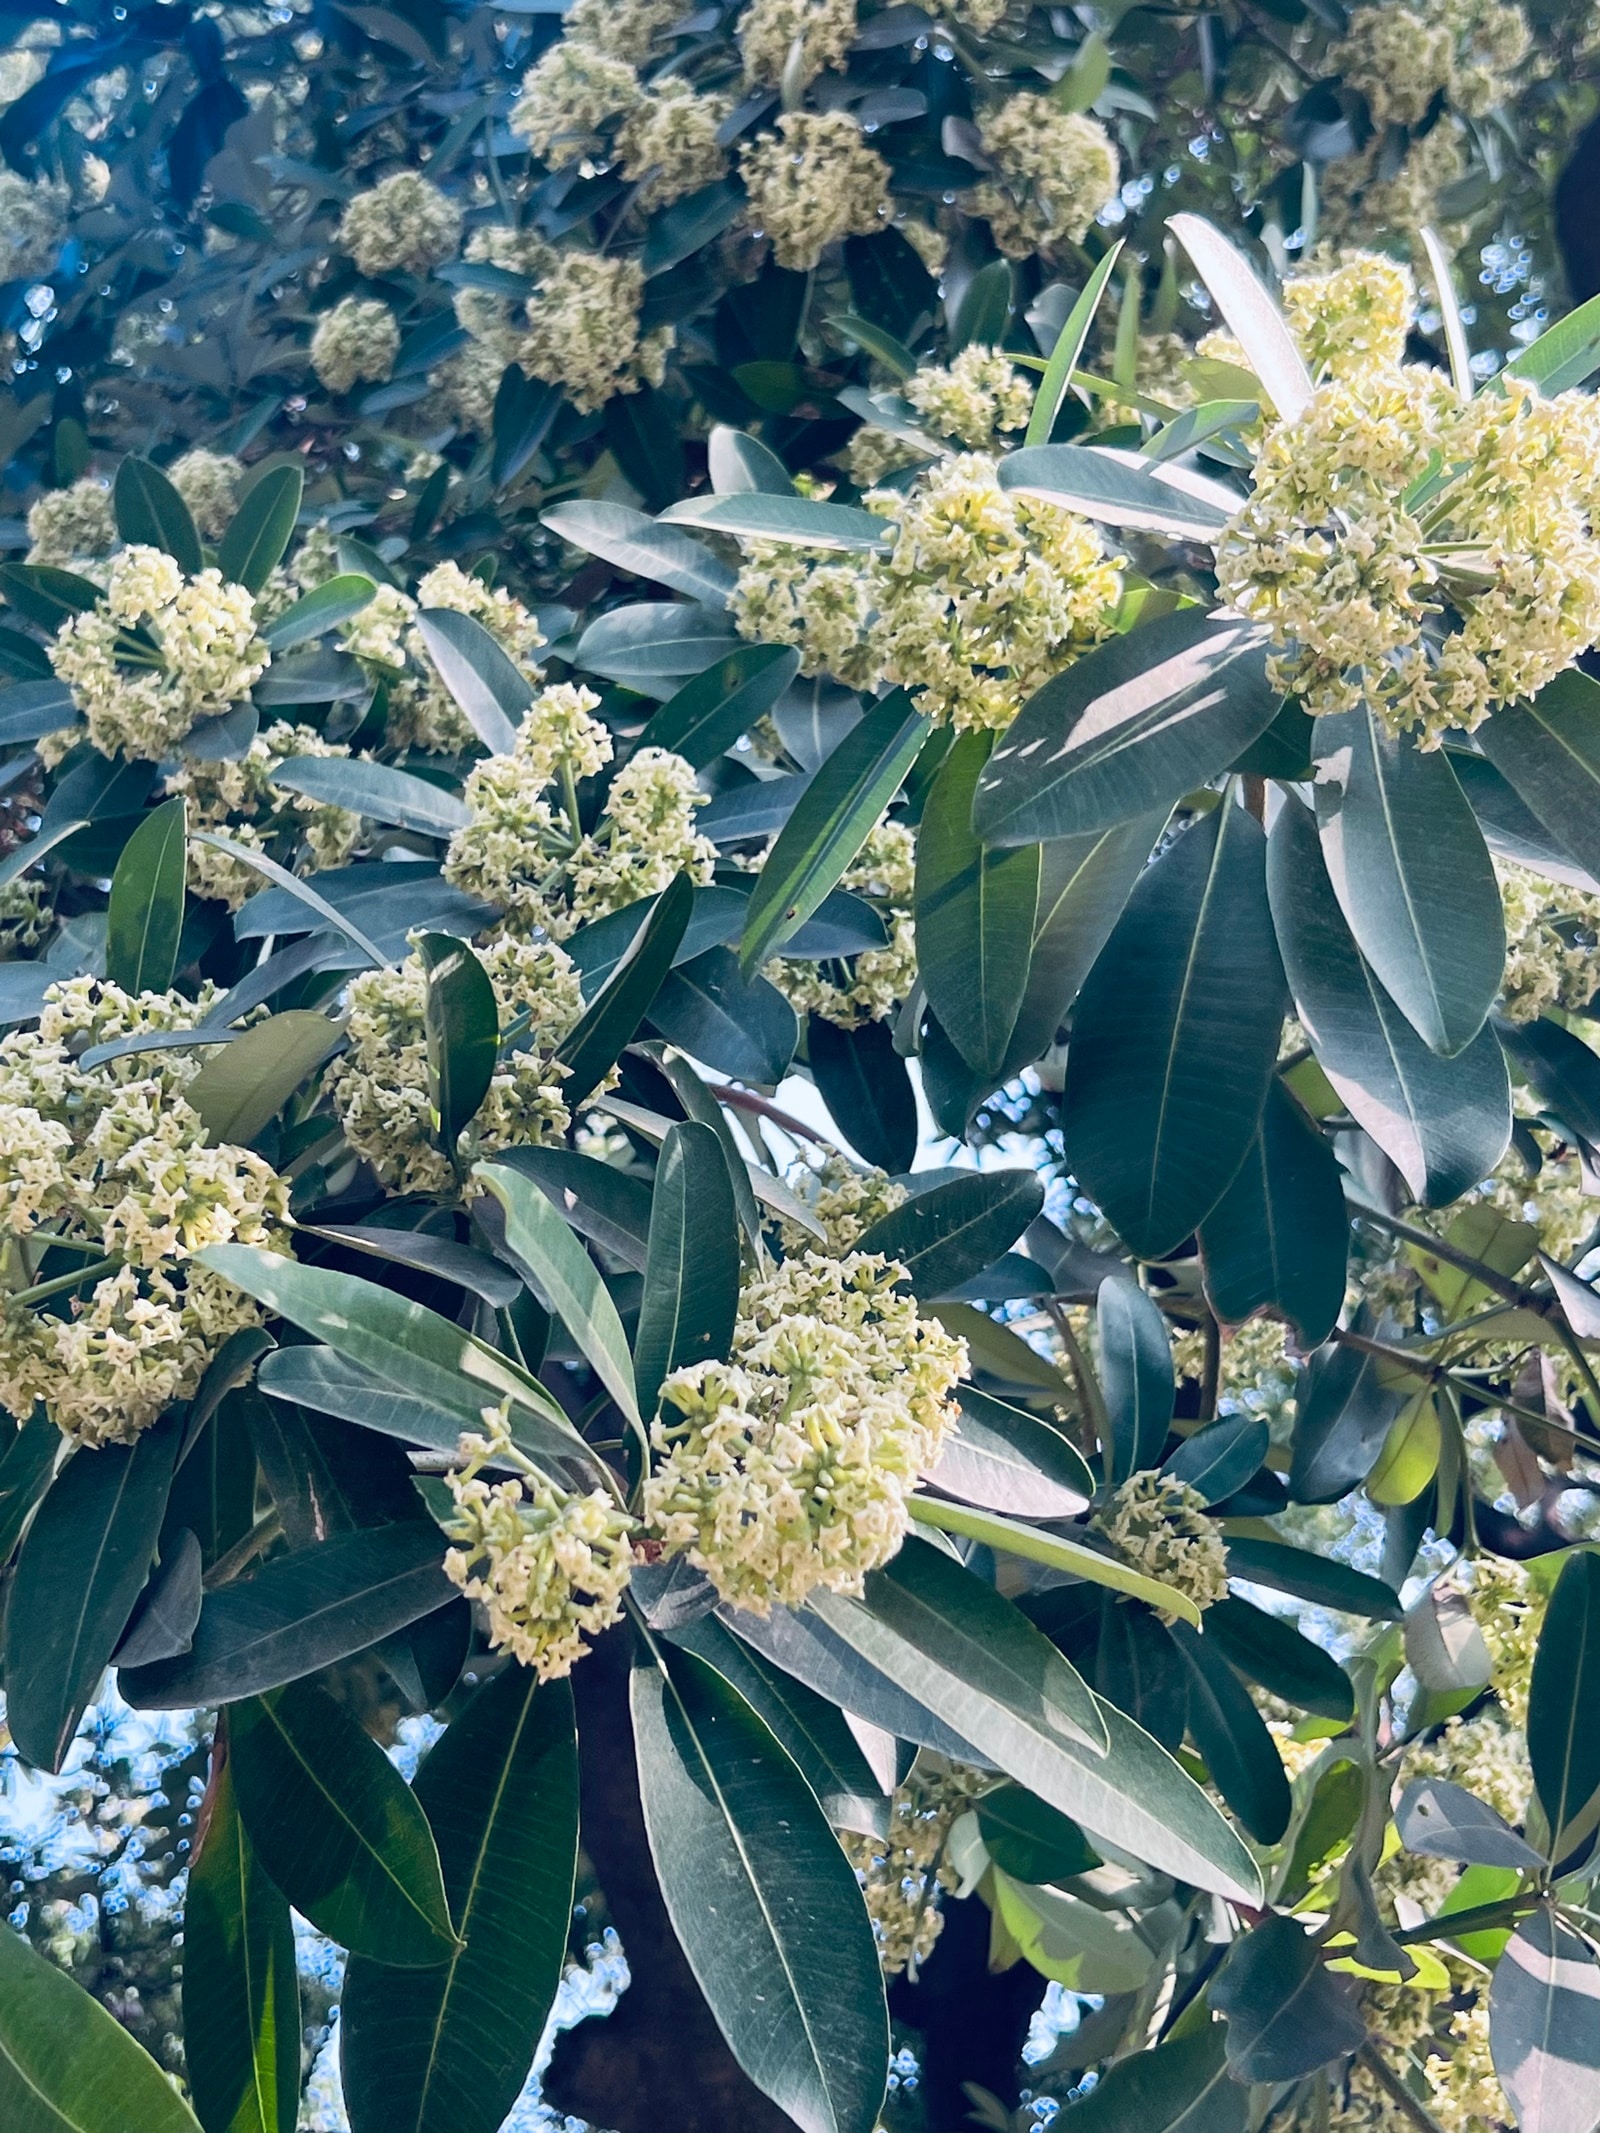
(317, 1378)
(447, 2050)
(1287, 2015)
(1544, 2025)
(946, 1234)
(375, 790)
(1175, 1035)
(462, 1023)
(144, 917)
(864, 1083)
(1565, 354)
(1059, 1551)
(1442, 1821)
(1412, 875)
(761, 1898)
(735, 1024)
(1408, 1458)
(1252, 316)
(297, 1614)
(334, 602)
(975, 907)
(1218, 1460)
(1068, 348)
(565, 1278)
(338, 1828)
(1318, 1578)
(26, 1467)
(595, 1042)
(1118, 488)
(1278, 1239)
(490, 689)
(691, 1275)
(1548, 752)
(1273, 1653)
(716, 706)
(738, 463)
(244, 1086)
(1127, 729)
(1030, 1840)
(1561, 1071)
(1237, 1749)
(1007, 1460)
(655, 641)
(299, 891)
(241, 1994)
(1563, 1741)
(832, 820)
(260, 531)
(149, 511)
(66, 2065)
(82, 1566)
(985, 307)
(1136, 1375)
(1443, 1124)
(464, 1264)
(1180, 2086)
(638, 544)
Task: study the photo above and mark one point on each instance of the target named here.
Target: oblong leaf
(691, 1276)
(865, 1084)
(241, 1088)
(946, 1234)
(735, 1024)
(1007, 1460)
(338, 1828)
(374, 790)
(462, 1022)
(1563, 1743)
(1116, 488)
(639, 544)
(1274, 1653)
(150, 511)
(335, 601)
(594, 1043)
(655, 640)
(1252, 316)
(260, 531)
(1069, 346)
(1278, 1239)
(1136, 1374)
(1317, 1578)
(1237, 1749)
(1218, 1460)
(489, 688)
(317, 1378)
(716, 706)
(1544, 2024)
(144, 915)
(755, 515)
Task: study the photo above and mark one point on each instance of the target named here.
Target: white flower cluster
(1552, 943)
(158, 653)
(626, 29)
(980, 394)
(769, 30)
(1400, 57)
(903, 1874)
(1429, 558)
(33, 224)
(1160, 1526)
(1509, 1610)
(868, 987)
(115, 1163)
(404, 224)
(1054, 171)
(568, 97)
(355, 343)
(812, 182)
(668, 141)
(845, 1200)
(72, 525)
(788, 1467)
(208, 482)
(980, 598)
(548, 1566)
(239, 795)
(380, 1086)
(524, 855)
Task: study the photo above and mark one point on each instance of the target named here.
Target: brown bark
(659, 2058)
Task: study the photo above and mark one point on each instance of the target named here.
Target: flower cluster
(110, 1171)
(548, 1566)
(1509, 1610)
(566, 99)
(25, 916)
(1401, 57)
(1160, 1526)
(903, 1874)
(1552, 938)
(980, 394)
(1054, 171)
(845, 1200)
(33, 224)
(788, 1467)
(209, 483)
(158, 653)
(380, 1085)
(669, 142)
(813, 181)
(626, 29)
(72, 525)
(868, 987)
(404, 224)
(355, 343)
(770, 30)
(238, 794)
(1424, 556)
(1352, 318)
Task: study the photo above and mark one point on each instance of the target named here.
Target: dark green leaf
(1318, 1578)
(1010, 1461)
(261, 529)
(241, 1995)
(1287, 2015)
(468, 1268)
(337, 1827)
(738, 462)
(715, 707)
(1136, 1374)
(150, 511)
(645, 431)
(448, 2050)
(1279, 1237)
(1343, 1415)
(32, 708)
(1218, 1460)
(864, 1083)
(462, 1021)
(1182, 2086)
(1128, 729)
(163, 1622)
(82, 1567)
(737, 1025)
(1083, 886)
(66, 2065)
(375, 790)
(690, 223)
(757, 515)
(1563, 1740)
(1413, 876)
(524, 409)
(25, 1470)
(600, 1201)
(1068, 348)
(1544, 2024)
(1029, 1839)
(637, 544)
(335, 601)
(1548, 752)
(595, 1042)
(489, 689)
(241, 1088)
(42, 594)
(145, 915)
(1442, 1821)
(975, 910)
(802, 1645)
(893, 354)
(691, 1277)
(832, 820)
(1443, 1125)
(1175, 1036)
(299, 1613)
(317, 1378)
(948, 1233)
(1561, 1071)
(1239, 1752)
(1273, 1653)
(762, 1899)
(565, 1278)
(985, 309)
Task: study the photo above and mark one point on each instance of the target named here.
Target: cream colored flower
(404, 224)
(980, 394)
(845, 1200)
(568, 96)
(355, 343)
(1159, 1525)
(870, 986)
(1055, 171)
(769, 30)
(812, 182)
(669, 141)
(72, 525)
(33, 225)
(208, 482)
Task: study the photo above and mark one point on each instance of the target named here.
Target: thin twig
(759, 1107)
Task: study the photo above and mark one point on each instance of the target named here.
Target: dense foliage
(800, 900)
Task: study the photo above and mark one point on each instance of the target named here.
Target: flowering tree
(587, 588)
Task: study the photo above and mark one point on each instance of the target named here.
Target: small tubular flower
(812, 182)
(403, 224)
(208, 482)
(1159, 1525)
(1055, 171)
(769, 30)
(980, 394)
(72, 524)
(568, 96)
(355, 343)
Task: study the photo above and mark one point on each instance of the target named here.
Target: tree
(765, 585)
